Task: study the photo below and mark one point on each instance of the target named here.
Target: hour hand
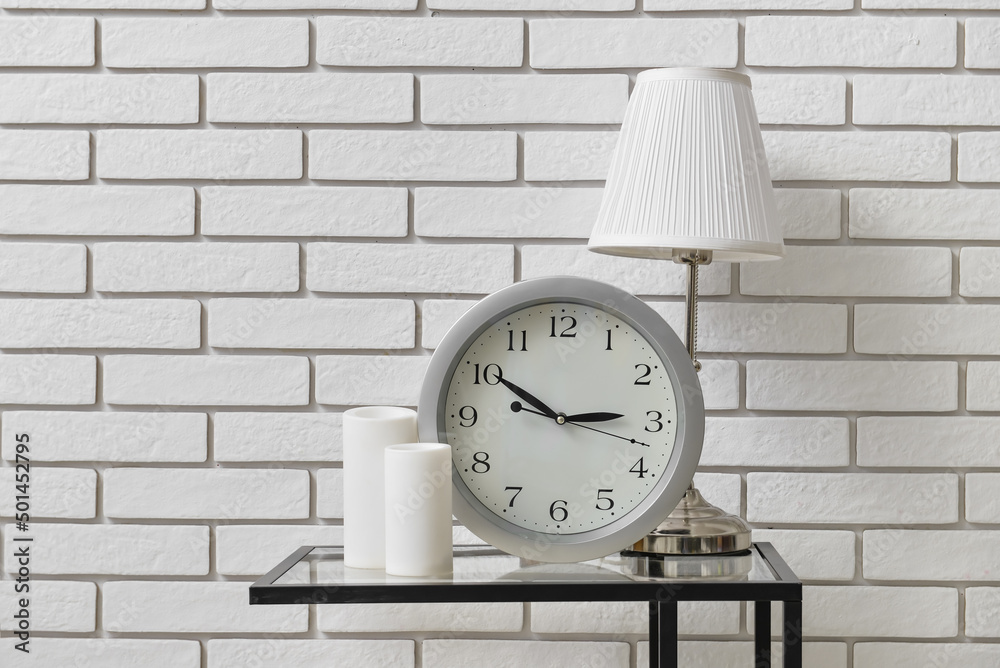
(593, 417)
(529, 398)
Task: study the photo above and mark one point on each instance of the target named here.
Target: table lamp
(689, 182)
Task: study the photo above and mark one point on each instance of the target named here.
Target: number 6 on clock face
(574, 416)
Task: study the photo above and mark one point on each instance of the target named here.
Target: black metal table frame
(662, 595)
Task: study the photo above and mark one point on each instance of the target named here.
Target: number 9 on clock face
(574, 416)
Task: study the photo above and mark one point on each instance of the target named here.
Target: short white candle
(418, 509)
(367, 431)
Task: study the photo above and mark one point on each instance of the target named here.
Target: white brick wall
(885, 99)
(520, 654)
(641, 277)
(76, 323)
(67, 436)
(810, 99)
(977, 161)
(451, 617)
(633, 43)
(27, 41)
(328, 323)
(64, 607)
(240, 550)
(146, 98)
(505, 212)
(309, 212)
(146, 606)
(48, 379)
(568, 155)
(502, 98)
(62, 493)
(196, 267)
(230, 494)
(858, 498)
(859, 156)
(693, 618)
(980, 42)
(470, 268)
(871, 41)
(123, 549)
(814, 555)
(97, 210)
(409, 42)
(911, 213)
(185, 380)
(43, 267)
(930, 555)
(873, 654)
(199, 154)
(299, 437)
(839, 611)
(310, 653)
(351, 155)
(44, 155)
(205, 42)
(310, 98)
(94, 652)
(222, 224)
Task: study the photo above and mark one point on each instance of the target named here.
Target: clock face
(561, 417)
(574, 415)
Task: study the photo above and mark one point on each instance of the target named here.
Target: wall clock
(574, 415)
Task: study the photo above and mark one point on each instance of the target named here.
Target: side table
(318, 575)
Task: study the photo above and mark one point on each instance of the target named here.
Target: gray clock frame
(666, 493)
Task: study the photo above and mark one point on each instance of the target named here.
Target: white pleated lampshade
(689, 172)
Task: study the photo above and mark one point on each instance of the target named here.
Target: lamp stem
(693, 259)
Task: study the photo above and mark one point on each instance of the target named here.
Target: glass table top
(318, 575)
(324, 566)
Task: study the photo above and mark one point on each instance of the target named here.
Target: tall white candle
(367, 431)
(418, 509)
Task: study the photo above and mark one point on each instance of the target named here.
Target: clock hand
(517, 408)
(608, 433)
(593, 417)
(531, 399)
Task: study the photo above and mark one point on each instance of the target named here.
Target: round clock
(574, 415)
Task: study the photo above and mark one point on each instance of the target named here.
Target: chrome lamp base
(695, 527)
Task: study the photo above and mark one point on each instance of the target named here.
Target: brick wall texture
(224, 222)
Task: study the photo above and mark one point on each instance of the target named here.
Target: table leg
(663, 634)
(791, 634)
(762, 634)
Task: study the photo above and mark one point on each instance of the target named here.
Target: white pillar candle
(367, 431)
(418, 509)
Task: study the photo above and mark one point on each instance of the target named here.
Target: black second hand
(517, 406)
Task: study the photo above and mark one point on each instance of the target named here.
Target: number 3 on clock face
(574, 416)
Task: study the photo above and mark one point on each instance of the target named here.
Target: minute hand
(530, 398)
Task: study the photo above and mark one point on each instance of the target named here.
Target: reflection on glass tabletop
(324, 566)
(318, 575)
